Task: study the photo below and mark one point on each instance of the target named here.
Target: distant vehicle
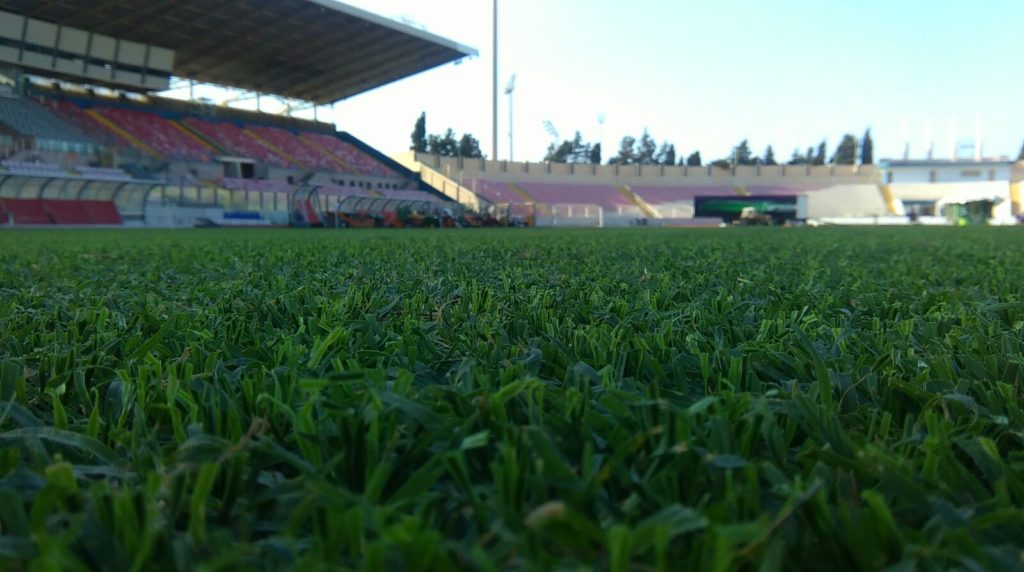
(749, 216)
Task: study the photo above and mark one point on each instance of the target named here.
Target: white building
(926, 187)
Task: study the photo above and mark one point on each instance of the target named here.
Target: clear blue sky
(704, 74)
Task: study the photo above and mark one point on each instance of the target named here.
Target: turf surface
(428, 400)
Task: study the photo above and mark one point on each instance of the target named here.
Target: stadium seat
(304, 155)
(158, 133)
(493, 191)
(344, 191)
(255, 185)
(33, 120)
(76, 116)
(235, 140)
(350, 155)
(33, 169)
(101, 212)
(409, 195)
(606, 196)
(66, 211)
(103, 173)
(26, 211)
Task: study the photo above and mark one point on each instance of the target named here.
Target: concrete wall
(845, 201)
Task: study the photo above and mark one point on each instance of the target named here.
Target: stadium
(77, 154)
(624, 372)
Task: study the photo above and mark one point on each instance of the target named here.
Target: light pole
(508, 91)
(494, 99)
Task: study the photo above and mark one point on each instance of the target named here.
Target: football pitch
(643, 399)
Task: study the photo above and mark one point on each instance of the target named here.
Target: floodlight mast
(494, 99)
(508, 91)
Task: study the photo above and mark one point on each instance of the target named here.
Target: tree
(469, 147)
(867, 149)
(1020, 156)
(560, 153)
(798, 158)
(819, 157)
(846, 153)
(769, 156)
(595, 154)
(575, 151)
(693, 160)
(419, 134)
(741, 154)
(802, 158)
(627, 152)
(647, 150)
(580, 150)
(446, 146)
(666, 154)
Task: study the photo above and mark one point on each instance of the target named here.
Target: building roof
(938, 163)
(314, 50)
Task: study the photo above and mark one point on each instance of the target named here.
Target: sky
(705, 74)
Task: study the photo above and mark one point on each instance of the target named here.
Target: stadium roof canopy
(313, 50)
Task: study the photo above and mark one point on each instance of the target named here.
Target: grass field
(427, 400)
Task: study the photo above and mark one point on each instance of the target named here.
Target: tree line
(446, 145)
(645, 150)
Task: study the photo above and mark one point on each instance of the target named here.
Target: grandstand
(665, 195)
(655, 194)
(85, 139)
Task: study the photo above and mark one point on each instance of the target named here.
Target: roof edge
(396, 26)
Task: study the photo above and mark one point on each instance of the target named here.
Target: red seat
(287, 142)
(66, 211)
(101, 212)
(158, 133)
(361, 162)
(26, 211)
(236, 140)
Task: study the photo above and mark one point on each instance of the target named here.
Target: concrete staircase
(442, 184)
(889, 198)
(195, 135)
(644, 206)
